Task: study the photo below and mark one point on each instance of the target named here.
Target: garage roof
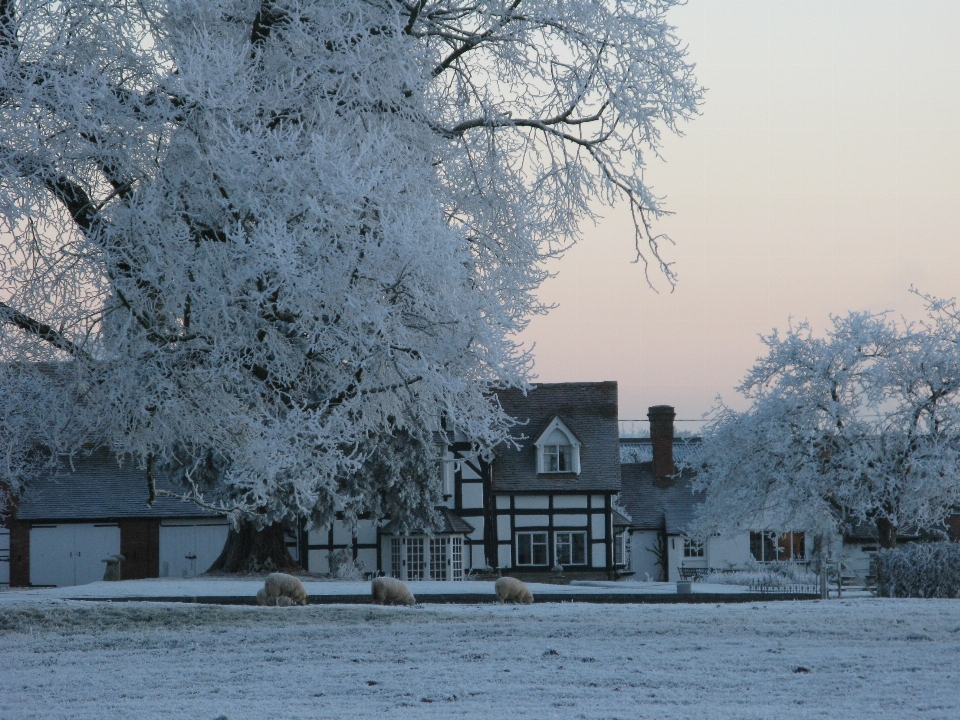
(98, 487)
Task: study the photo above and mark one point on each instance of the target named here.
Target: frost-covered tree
(244, 238)
(861, 425)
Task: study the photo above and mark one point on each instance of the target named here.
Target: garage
(71, 553)
(189, 548)
(67, 522)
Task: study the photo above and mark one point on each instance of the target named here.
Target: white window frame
(776, 539)
(419, 557)
(557, 543)
(396, 557)
(543, 454)
(694, 550)
(416, 558)
(439, 558)
(620, 547)
(533, 543)
(456, 557)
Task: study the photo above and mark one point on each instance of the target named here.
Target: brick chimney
(661, 436)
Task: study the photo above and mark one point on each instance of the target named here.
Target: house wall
(465, 482)
(722, 552)
(553, 513)
(643, 559)
(364, 547)
(471, 483)
(857, 556)
(729, 551)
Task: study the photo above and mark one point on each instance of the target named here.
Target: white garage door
(71, 554)
(189, 549)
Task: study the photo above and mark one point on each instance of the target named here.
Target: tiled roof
(589, 410)
(621, 520)
(450, 524)
(640, 450)
(652, 506)
(98, 488)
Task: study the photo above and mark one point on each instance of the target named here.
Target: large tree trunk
(887, 532)
(249, 550)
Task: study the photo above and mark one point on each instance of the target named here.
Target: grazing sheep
(512, 590)
(280, 585)
(262, 598)
(390, 591)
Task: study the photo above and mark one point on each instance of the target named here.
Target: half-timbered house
(546, 504)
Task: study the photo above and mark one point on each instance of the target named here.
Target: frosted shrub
(773, 574)
(928, 570)
(344, 567)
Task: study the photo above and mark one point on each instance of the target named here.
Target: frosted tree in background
(860, 426)
(245, 240)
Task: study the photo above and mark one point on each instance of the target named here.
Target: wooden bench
(694, 574)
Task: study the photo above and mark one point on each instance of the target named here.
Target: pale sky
(823, 176)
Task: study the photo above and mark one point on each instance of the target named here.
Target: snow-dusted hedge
(924, 570)
(776, 574)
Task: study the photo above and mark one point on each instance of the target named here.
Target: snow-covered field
(860, 658)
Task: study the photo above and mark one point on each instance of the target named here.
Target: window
(447, 470)
(767, 546)
(531, 548)
(556, 458)
(456, 557)
(415, 559)
(421, 558)
(571, 548)
(396, 558)
(692, 549)
(619, 547)
(438, 558)
(558, 450)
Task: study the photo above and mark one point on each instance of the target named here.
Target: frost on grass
(883, 659)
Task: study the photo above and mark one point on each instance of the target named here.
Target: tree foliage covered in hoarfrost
(859, 426)
(247, 240)
(920, 570)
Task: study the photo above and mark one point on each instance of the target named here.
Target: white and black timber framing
(514, 495)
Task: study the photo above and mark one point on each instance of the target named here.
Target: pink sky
(822, 177)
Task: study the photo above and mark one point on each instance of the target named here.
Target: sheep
(262, 598)
(390, 591)
(279, 586)
(512, 590)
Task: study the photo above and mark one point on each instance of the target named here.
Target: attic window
(558, 450)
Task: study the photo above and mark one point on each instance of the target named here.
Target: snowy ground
(861, 658)
(227, 587)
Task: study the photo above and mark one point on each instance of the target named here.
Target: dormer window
(558, 450)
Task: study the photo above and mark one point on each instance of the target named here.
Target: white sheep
(390, 591)
(512, 590)
(281, 585)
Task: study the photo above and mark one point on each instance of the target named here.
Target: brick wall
(953, 528)
(19, 553)
(140, 545)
